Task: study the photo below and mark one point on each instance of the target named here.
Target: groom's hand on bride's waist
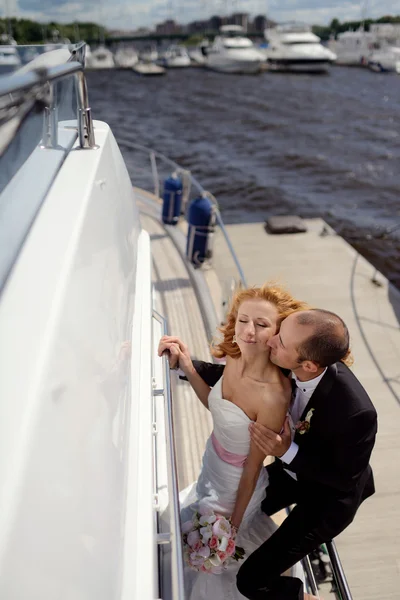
(270, 442)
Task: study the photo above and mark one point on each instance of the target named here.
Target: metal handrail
(37, 82)
(338, 571)
(153, 155)
(14, 83)
(306, 563)
(174, 536)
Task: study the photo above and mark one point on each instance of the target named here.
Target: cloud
(130, 14)
(40, 5)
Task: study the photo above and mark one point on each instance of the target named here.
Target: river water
(311, 145)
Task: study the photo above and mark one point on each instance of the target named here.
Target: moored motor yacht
(386, 59)
(126, 58)
(9, 59)
(100, 58)
(352, 48)
(293, 47)
(149, 54)
(175, 57)
(233, 52)
(148, 69)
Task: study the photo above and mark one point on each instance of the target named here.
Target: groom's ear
(309, 366)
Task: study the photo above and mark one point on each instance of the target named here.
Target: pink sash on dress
(237, 460)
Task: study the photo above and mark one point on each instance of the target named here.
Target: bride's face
(256, 323)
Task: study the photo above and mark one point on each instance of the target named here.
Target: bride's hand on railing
(170, 350)
(179, 355)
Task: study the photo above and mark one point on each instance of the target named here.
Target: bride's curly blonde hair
(270, 292)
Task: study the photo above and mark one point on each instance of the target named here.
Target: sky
(131, 14)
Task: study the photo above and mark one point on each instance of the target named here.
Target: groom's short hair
(329, 341)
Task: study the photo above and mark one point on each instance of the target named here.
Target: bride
(232, 481)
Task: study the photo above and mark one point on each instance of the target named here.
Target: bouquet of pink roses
(209, 543)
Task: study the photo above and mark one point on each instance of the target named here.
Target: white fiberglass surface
(65, 385)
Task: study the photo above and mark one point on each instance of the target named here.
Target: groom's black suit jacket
(332, 463)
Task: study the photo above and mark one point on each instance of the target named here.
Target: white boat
(352, 48)
(149, 69)
(387, 59)
(233, 52)
(293, 47)
(126, 58)
(89, 502)
(150, 54)
(100, 58)
(88, 55)
(7, 40)
(198, 55)
(176, 57)
(9, 59)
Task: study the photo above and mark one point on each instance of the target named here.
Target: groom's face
(284, 344)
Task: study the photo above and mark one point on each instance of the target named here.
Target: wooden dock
(321, 268)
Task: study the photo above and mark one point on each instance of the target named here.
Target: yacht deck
(175, 299)
(323, 269)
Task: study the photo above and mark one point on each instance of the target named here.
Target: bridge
(172, 37)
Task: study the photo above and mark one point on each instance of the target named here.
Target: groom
(323, 467)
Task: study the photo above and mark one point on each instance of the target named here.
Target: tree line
(336, 26)
(25, 31)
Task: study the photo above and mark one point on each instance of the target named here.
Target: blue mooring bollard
(172, 199)
(201, 225)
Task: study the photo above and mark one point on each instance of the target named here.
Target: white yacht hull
(351, 60)
(76, 466)
(9, 59)
(299, 66)
(178, 62)
(126, 61)
(151, 56)
(97, 66)
(227, 64)
(385, 61)
(12, 61)
(294, 47)
(101, 58)
(148, 69)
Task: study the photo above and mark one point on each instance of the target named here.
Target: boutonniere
(304, 426)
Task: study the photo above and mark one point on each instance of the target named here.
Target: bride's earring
(234, 340)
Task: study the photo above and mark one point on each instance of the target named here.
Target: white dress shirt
(305, 390)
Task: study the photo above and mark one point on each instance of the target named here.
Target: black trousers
(259, 578)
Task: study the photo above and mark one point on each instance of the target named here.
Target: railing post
(155, 174)
(338, 571)
(85, 123)
(310, 575)
(173, 537)
(50, 124)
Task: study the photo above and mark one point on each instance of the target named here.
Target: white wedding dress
(216, 489)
